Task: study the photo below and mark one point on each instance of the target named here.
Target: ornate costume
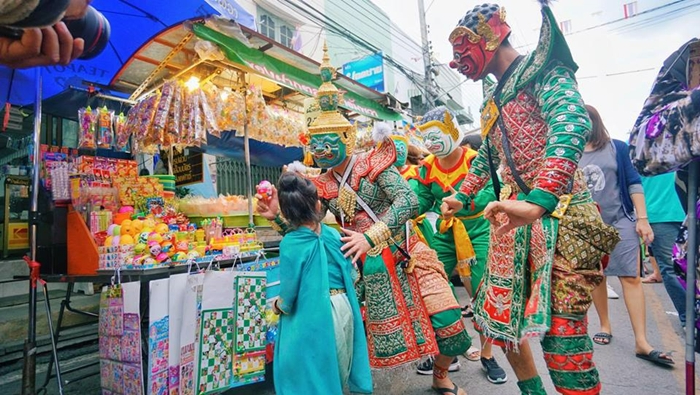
(461, 242)
(539, 277)
(411, 311)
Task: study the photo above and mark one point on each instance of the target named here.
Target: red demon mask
(477, 38)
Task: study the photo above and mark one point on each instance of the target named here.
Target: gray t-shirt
(600, 171)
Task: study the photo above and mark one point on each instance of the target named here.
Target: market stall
(195, 87)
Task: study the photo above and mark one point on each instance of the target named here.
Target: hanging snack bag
(105, 134)
(145, 121)
(186, 135)
(160, 118)
(172, 130)
(121, 133)
(88, 124)
(200, 133)
(211, 124)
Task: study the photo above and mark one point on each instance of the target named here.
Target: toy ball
(126, 240)
(148, 261)
(127, 228)
(167, 236)
(109, 241)
(161, 228)
(110, 229)
(143, 237)
(179, 257)
(137, 224)
(155, 236)
(264, 189)
(166, 246)
(126, 209)
(117, 230)
(149, 223)
(116, 240)
(154, 248)
(139, 248)
(162, 257)
(193, 255)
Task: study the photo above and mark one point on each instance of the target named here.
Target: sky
(618, 63)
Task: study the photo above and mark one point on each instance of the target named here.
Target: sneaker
(426, 367)
(494, 372)
(611, 292)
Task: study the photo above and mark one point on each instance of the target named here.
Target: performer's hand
(268, 208)
(355, 245)
(450, 205)
(509, 214)
(644, 230)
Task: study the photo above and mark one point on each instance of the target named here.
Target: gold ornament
(485, 31)
(379, 233)
(460, 31)
(447, 126)
(347, 201)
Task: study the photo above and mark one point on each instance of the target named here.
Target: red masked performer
(547, 237)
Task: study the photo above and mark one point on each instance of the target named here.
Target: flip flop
(651, 280)
(467, 312)
(602, 338)
(657, 357)
(442, 391)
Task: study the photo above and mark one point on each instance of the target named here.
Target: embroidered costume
(539, 277)
(411, 310)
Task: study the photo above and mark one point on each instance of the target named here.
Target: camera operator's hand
(41, 47)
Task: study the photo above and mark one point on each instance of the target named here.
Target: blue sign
(368, 71)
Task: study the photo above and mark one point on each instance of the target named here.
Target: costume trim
(447, 178)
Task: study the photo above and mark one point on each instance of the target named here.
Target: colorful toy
(126, 239)
(154, 248)
(143, 237)
(139, 248)
(162, 258)
(264, 189)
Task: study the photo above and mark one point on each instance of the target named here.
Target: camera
(93, 28)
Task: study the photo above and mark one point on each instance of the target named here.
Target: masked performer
(547, 238)
(411, 311)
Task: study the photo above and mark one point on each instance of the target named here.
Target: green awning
(306, 83)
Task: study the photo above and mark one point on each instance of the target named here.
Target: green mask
(401, 152)
(327, 149)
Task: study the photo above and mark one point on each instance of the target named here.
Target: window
(276, 28)
(267, 26)
(630, 9)
(565, 26)
(286, 36)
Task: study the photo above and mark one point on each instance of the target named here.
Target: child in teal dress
(321, 345)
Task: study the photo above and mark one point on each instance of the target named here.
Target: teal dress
(306, 356)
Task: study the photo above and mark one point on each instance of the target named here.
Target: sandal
(467, 312)
(657, 357)
(454, 391)
(602, 338)
(473, 354)
(651, 280)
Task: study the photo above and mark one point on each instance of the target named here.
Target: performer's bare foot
(441, 382)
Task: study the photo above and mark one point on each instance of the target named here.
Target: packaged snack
(160, 118)
(211, 124)
(121, 132)
(105, 135)
(88, 124)
(172, 131)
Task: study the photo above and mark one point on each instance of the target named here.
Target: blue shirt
(662, 200)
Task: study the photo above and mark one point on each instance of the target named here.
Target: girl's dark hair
(298, 197)
(599, 136)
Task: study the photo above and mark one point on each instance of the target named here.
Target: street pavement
(620, 371)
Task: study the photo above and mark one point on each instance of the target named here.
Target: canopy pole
(170, 160)
(29, 367)
(246, 151)
(690, 300)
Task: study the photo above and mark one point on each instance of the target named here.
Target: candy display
(88, 125)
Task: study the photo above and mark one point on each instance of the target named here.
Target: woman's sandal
(657, 357)
(454, 391)
(602, 338)
(473, 354)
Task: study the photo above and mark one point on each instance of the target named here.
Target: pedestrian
(617, 188)
(321, 345)
(666, 215)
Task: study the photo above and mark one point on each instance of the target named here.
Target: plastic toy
(264, 189)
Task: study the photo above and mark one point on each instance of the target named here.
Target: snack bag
(88, 125)
(105, 134)
(121, 132)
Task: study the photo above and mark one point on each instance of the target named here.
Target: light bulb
(192, 83)
(224, 95)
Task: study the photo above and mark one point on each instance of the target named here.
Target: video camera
(93, 28)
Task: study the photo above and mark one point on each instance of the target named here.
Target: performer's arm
(569, 126)
(479, 172)
(404, 202)
(426, 200)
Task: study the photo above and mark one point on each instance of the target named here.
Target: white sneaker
(611, 292)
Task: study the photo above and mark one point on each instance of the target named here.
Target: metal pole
(246, 152)
(425, 45)
(29, 368)
(693, 174)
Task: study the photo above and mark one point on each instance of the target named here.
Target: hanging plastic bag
(105, 134)
(88, 126)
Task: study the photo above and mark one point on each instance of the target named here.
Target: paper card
(176, 300)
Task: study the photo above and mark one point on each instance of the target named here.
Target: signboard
(17, 236)
(231, 10)
(368, 71)
(187, 167)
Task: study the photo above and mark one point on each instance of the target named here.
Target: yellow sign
(17, 236)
